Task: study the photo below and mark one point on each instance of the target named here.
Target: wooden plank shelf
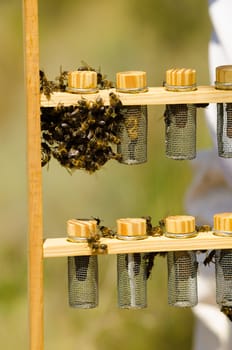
(154, 96)
(60, 247)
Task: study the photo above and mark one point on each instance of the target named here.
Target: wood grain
(35, 232)
(154, 96)
(60, 247)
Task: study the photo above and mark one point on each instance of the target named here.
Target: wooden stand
(35, 238)
(60, 247)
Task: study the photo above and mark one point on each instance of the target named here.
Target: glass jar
(131, 268)
(224, 112)
(182, 265)
(180, 119)
(223, 260)
(82, 270)
(133, 129)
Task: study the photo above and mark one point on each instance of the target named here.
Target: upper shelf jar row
(89, 129)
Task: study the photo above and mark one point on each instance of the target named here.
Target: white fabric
(211, 192)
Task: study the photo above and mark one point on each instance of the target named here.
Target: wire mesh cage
(133, 135)
(83, 281)
(131, 277)
(180, 131)
(223, 270)
(131, 268)
(182, 265)
(182, 278)
(133, 129)
(82, 270)
(224, 129)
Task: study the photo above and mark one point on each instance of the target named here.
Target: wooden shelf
(60, 247)
(154, 96)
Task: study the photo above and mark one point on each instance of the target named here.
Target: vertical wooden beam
(35, 240)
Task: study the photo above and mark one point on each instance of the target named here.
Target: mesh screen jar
(82, 270)
(224, 112)
(133, 129)
(180, 119)
(182, 265)
(223, 261)
(131, 268)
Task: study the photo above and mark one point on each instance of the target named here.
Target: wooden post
(35, 257)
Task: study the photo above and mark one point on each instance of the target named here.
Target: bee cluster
(47, 87)
(81, 136)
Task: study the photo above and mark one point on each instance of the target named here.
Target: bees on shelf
(95, 244)
(81, 136)
(47, 87)
(94, 241)
(154, 231)
(102, 82)
(203, 228)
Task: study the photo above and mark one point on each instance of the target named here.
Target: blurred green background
(115, 35)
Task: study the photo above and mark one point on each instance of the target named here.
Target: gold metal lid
(223, 222)
(131, 81)
(81, 229)
(224, 77)
(82, 81)
(131, 227)
(180, 224)
(183, 79)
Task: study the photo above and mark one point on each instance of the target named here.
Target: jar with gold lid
(133, 129)
(131, 268)
(180, 119)
(223, 260)
(182, 265)
(224, 112)
(82, 270)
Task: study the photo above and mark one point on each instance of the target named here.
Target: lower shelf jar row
(133, 271)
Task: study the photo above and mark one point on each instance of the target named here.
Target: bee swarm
(81, 136)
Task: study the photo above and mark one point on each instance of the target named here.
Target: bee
(45, 154)
(159, 229)
(62, 80)
(102, 248)
(148, 224)
(46, 86)
(209, 257)
(85, 66)
(149, 263)
(115, 101)
(104, 230)
(227, 310)
(95, 245)
(203, 228)
(107, 232)
(102, 82)
(93, 242)
(201, 105)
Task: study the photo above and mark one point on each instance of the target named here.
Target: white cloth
(211, 192)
